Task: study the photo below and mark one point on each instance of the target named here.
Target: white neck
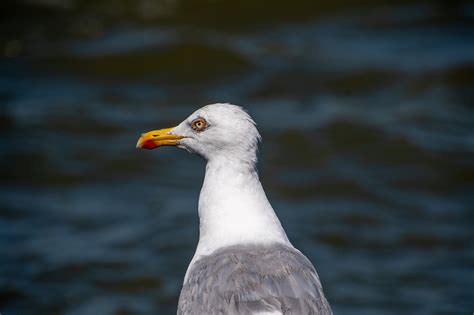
(233, 209)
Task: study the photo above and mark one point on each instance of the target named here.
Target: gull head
(216, 131)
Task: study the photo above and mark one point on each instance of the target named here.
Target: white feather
(233, 207)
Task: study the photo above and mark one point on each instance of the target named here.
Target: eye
(199, 124)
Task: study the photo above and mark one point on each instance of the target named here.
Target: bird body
(253, 279)
(244, 262)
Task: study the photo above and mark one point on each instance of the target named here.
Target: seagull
(244, 262)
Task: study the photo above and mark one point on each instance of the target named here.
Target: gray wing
(253, 279)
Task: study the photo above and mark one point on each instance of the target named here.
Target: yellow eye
(199, 124)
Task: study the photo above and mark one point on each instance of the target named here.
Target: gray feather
(248, 279)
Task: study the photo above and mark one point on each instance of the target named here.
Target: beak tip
(157, 138)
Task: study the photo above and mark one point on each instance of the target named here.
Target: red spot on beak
(149, 144)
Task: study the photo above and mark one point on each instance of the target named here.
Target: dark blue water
(367, 120)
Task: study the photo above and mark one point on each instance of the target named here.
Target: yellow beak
(157, 138)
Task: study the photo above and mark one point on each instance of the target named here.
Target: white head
(214, 131)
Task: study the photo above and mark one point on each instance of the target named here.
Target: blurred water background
(366, 111)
